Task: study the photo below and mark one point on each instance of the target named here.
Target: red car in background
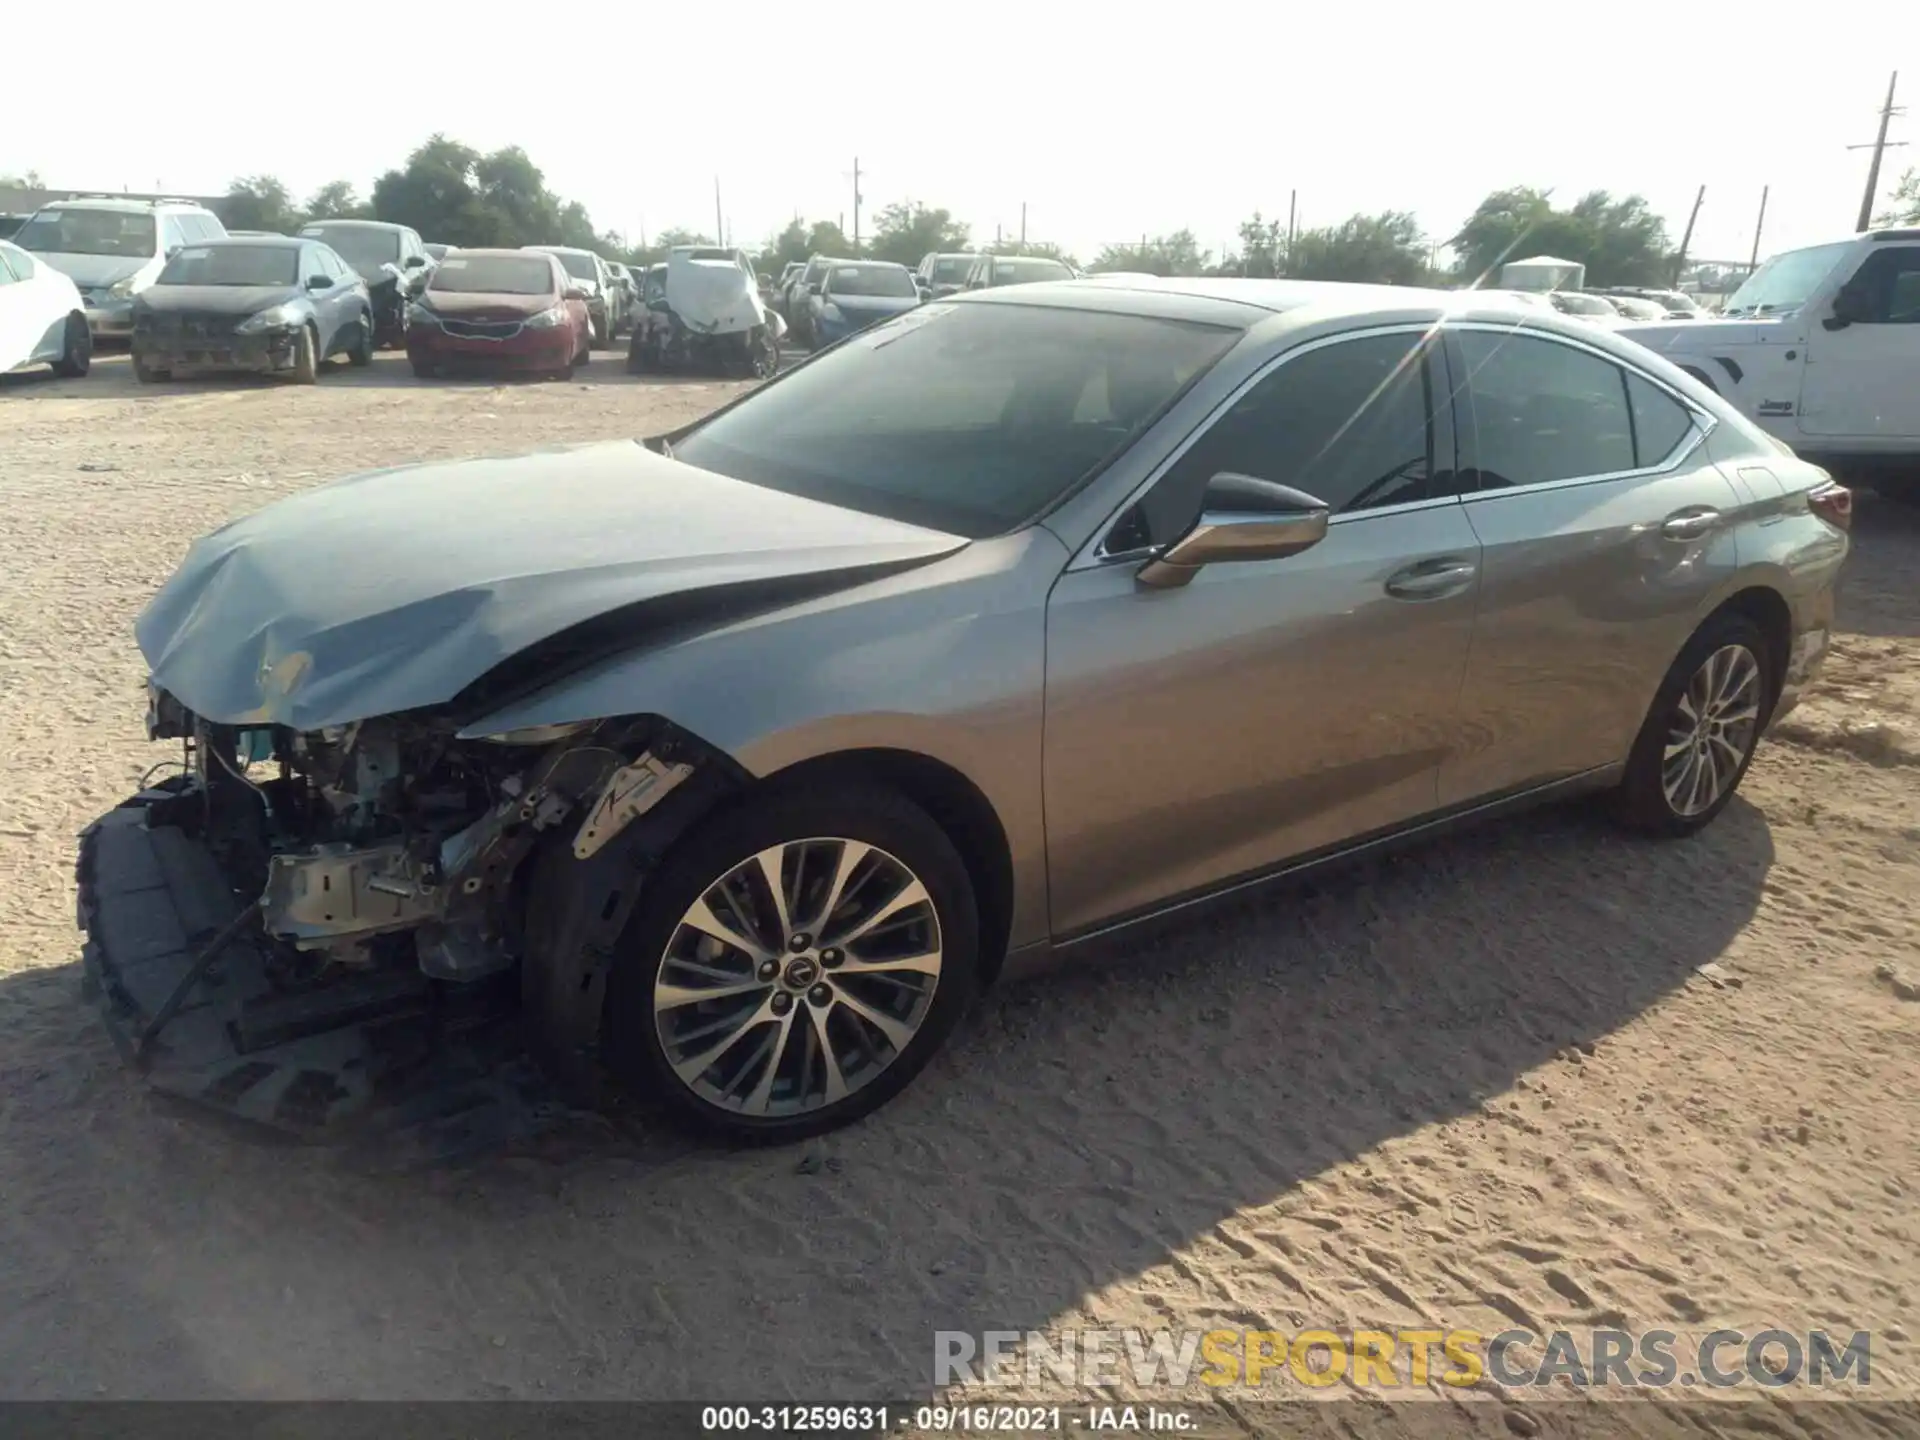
(499, 309)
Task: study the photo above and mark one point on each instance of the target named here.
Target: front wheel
(763, 354)
(76, 355)
(306, 357)
(796, 962)
(1701, 732)
(361, 355)
(146, 374)
(599, 334)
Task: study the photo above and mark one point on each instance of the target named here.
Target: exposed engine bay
(324, 931)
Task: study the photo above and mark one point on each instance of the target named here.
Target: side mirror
(1850, 306)
(573, 292)
(173, 250)
(414, 262)
(1241, 518)
(319, 282)
(818, 287)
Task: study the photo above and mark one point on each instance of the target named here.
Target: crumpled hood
(216, 299)
(1695, 337)
(714, 297)
(397, 589)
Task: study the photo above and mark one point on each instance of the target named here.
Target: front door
(1606, 531)
(1272, 708)
(1863, 380)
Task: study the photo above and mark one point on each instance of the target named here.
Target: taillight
(1832, 502)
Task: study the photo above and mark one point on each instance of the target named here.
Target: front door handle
(1432, 579)
(1690, 524)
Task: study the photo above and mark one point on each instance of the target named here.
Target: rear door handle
(1690, 524)
(1432, 579)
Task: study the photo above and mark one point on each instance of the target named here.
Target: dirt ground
(1485, 1081)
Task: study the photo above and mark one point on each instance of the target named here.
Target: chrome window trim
(1704, 421)
(1093, 555)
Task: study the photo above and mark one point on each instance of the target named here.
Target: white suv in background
(112, 248)
(1821, 347)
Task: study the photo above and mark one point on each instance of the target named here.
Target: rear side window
(1660, 422)
(1543, 411)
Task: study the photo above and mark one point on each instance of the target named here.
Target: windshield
(870, 280)
(89, 232)
(970, 419)
(579, 266)
(1022, 272)
(1783, 284)
(363, 249)
(493, 275)
(951, 269)
(232, 265)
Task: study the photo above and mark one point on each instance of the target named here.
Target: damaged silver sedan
(730, 765)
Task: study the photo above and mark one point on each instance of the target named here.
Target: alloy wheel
(1715, 722)
(797, 977)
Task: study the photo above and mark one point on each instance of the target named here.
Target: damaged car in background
(728, 766)
(701, 310)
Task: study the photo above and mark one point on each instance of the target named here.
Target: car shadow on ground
(1083, 1128)
(1877, 586)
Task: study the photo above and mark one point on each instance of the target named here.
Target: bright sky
(1106, 122)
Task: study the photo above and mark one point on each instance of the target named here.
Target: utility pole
(1023, 227)
(1879, 147)
(1680, 260)
(1753, 261)
(856, 204)
(719, 225)
(1293, 211)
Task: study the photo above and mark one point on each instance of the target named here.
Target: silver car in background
(747, 755)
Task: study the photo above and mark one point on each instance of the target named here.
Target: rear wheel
(795, 962)
(1701, 732)
(76, 354)
(423, 370)
(146, 374)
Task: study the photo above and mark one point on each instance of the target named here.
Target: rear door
(19, 331)
(1863, 380)
(1606, 530)
(1268, 709)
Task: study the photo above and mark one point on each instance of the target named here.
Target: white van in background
(1821, 347)
(112, 247)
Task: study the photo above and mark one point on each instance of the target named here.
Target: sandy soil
(1487, 1080)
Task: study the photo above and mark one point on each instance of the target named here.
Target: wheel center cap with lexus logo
(802, 972)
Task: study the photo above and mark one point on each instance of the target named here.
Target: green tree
(336, 200)
(1175, 254)
(436, 193)
(826, 238)
(1620, 241)
(1383, 249)
(1904, 206)
(784, 249)
(907, 231)
(29, 181)
(1044, 248)
(1262, 249)
(259, 202)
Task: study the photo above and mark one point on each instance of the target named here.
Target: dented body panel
(326, 608)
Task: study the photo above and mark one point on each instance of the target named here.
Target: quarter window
(13, 265)
(1543, 411)
(1349, 423)
(1660, 422)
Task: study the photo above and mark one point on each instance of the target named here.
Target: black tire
(423, 370)
(598, 334)
(306, 357)
(637, 360)
(147, 374)
(870, 814)
(76, 355)
(361, 355)
(1641, 802)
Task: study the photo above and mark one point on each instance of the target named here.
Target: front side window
(1888, 282)
(13, 265)
(127, 234)
(1543, 411)
(971, 419)
(1348, 423)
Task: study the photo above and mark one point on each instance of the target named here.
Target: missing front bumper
(385, 1061)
